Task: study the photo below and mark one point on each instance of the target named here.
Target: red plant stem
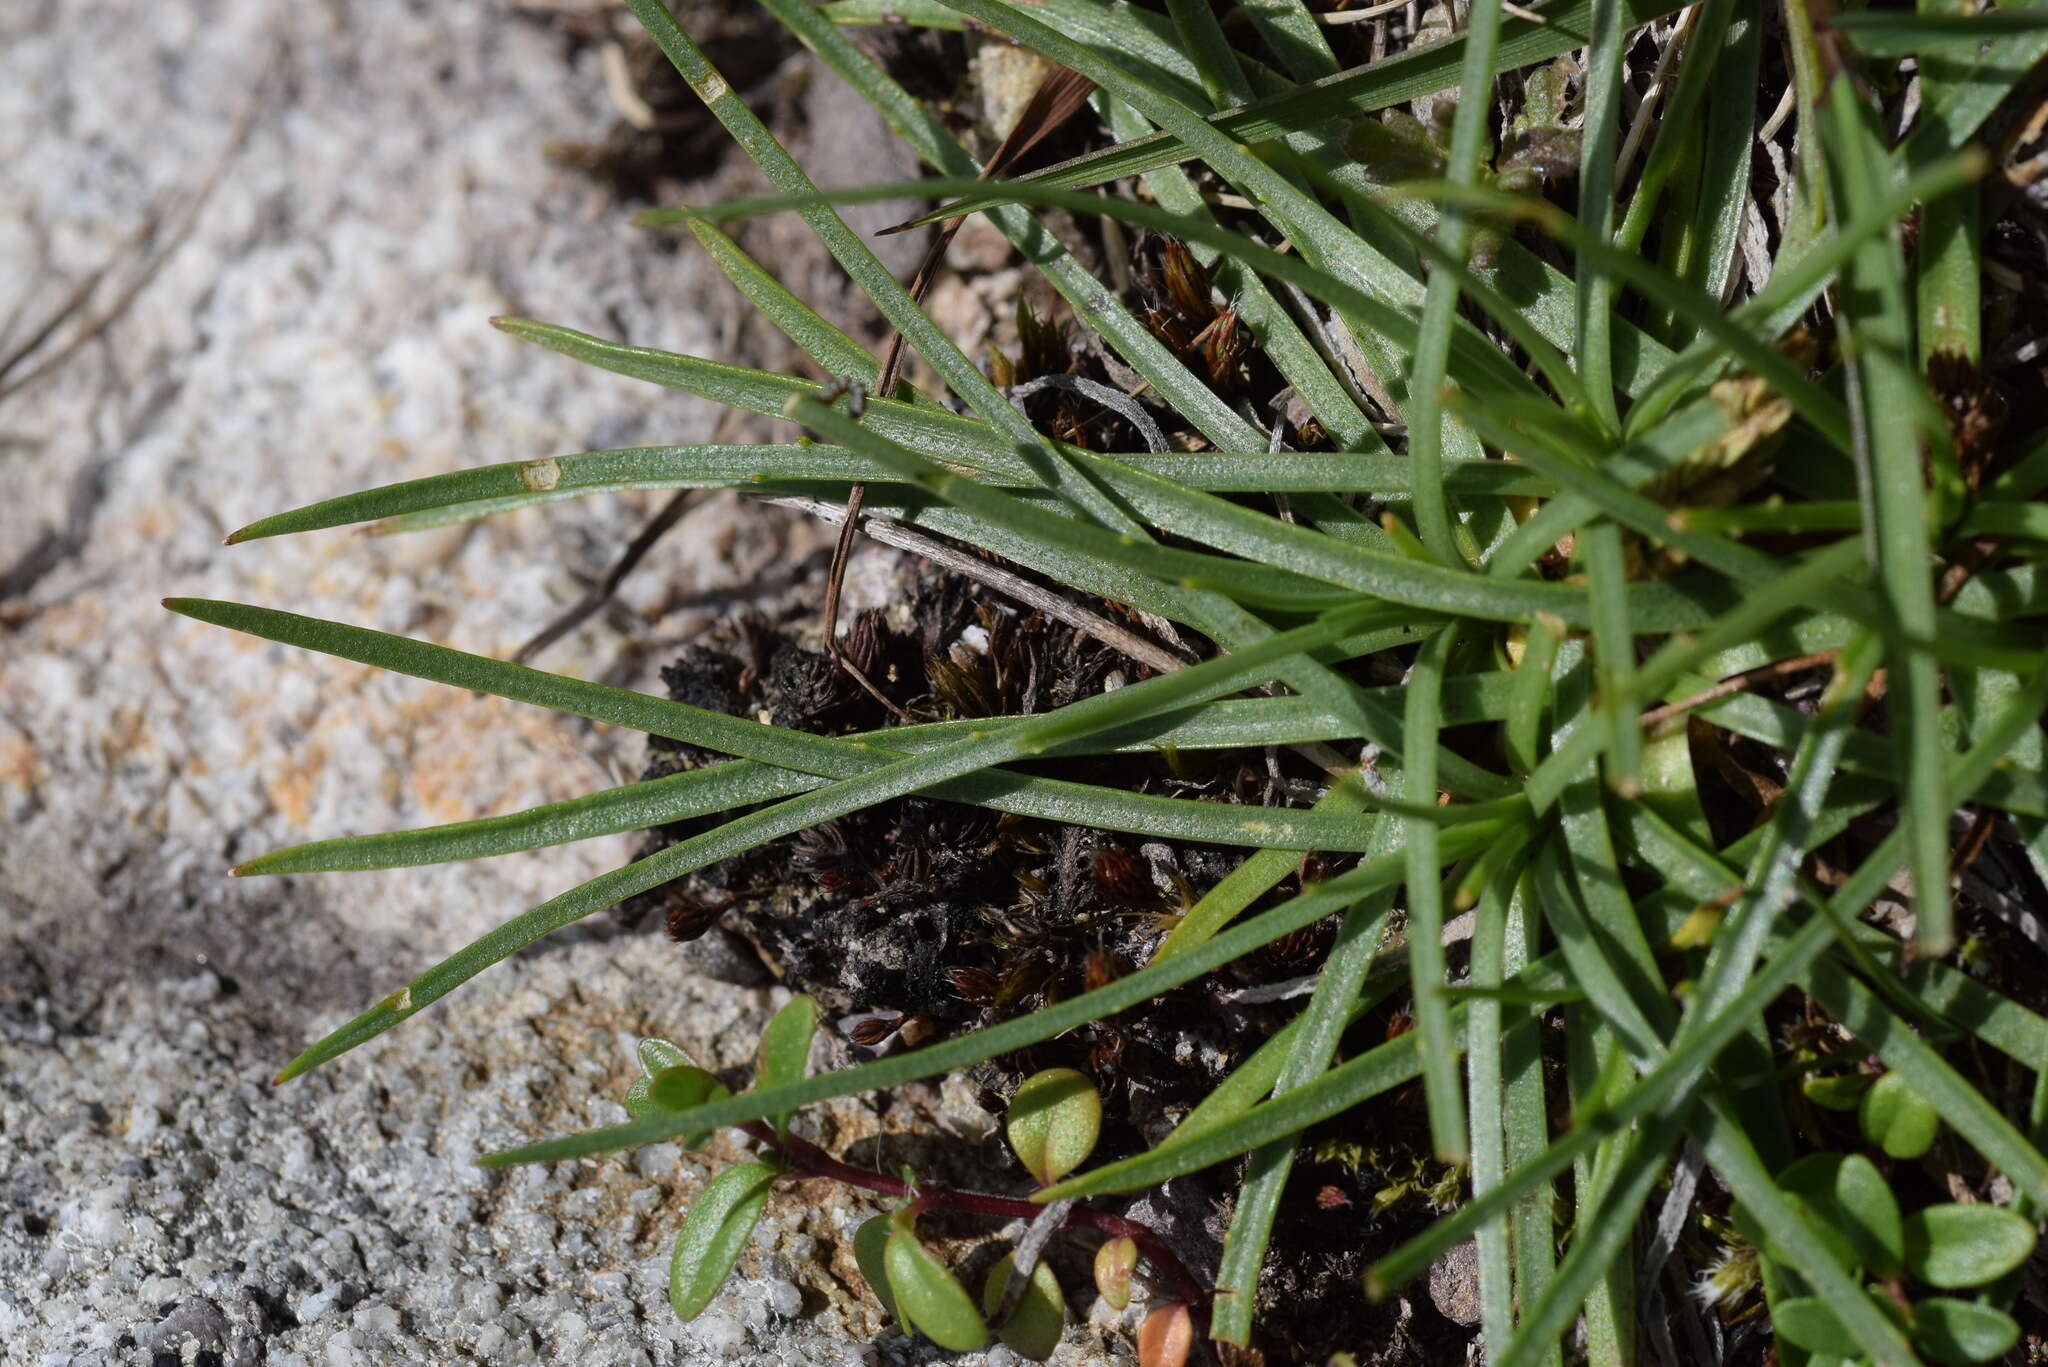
(806, 1159)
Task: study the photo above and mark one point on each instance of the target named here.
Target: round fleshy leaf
(1962, 1332)
(1872, 1214)
(719, 1223)
(1115, 1261)
(929, 1298)
(1847, 1196)
(1799, 1184)
(1807, 1322)
(869, 1244)
(680, 1087)
(785, 1052)
(1843, 1092)
(1953, 1246)
(1166, 1337)
(1898, 1119)
(657, 1054)
(1033, 1329)
(1053, 1122)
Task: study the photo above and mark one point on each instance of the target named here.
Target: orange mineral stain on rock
(21, 768)
(291, 791)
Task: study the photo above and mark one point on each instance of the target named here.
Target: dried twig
(1060, 96)
(181, 227)
(1737, 683)
(600, 593)
(893, 533)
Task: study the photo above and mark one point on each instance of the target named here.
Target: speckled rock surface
(324, 327)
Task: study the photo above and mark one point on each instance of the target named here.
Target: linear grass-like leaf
(1813, 403)
(1963, 1107)
(1422, 70)
(1474, 362)
(1878, 333)
(1318, 234)
(1250, 1082)
(1426, 965)
(1298, 359)
(1486, 1097)
(1391, 577)
(1593, 292)
(1302, 909)
(1094, 306)
(1429, 364)
(1703, 1035)
(1796, 283)
(490, 489)
(1224, 725)
(1371, 1074)
(897, 777)
(859, 261)
(1342, 978)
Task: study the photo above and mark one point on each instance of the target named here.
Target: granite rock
(322, 326)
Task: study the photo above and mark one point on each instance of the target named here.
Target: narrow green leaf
(719, 1223)
(785, 1051)
(1422, 70)
(1806, 1322)
(1377, 1070)
(870, 1254)
(929, 1298)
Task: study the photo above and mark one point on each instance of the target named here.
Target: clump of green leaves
(1497, 501)
(1847, 1204)
(1054, 1117)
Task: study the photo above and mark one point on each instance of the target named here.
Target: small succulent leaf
(1821, 1222)
(658, 1054)
(1033, 1329)
(1960, 1332)
(680, 1087)
(1809, 1187)
(1871, 1213)
(1847, 1194)
(638, 1103)
(1897, 1119)
(929, 1298)
(1115, 1261)
(1053, 1122)
(1166, 1337)
(1955, 1246)
(1807, 1322)
(1842, 1092)
(869, 1243)
(785, 1053)
(717, 1227)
